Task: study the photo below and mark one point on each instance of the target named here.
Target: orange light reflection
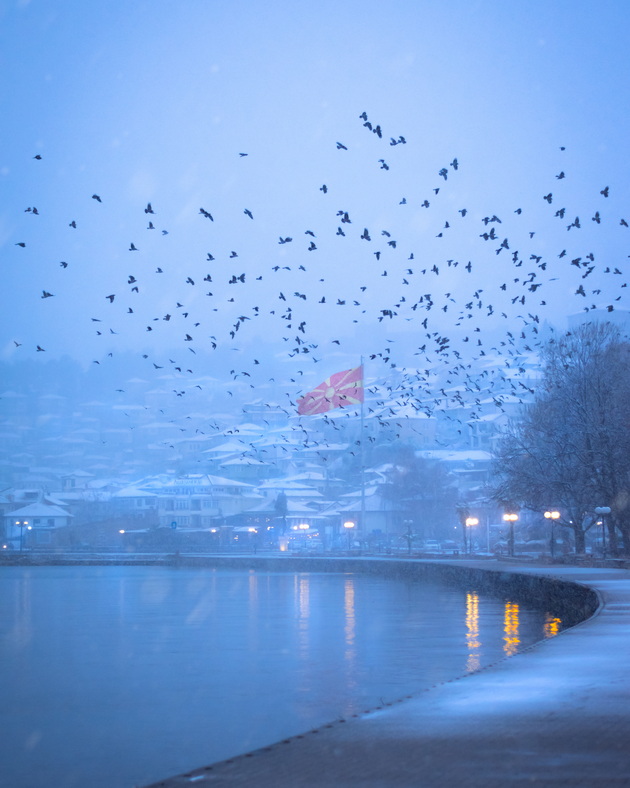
(510, 627)
(472, 632)
(552, 625)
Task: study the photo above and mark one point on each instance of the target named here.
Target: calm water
(119, 676)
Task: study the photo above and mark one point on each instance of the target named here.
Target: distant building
(33, 525)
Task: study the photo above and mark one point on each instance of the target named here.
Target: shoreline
(557, 713)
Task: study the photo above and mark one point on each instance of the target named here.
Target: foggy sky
(153, 102)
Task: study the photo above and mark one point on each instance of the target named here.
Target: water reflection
(303, 597)
(510, 627)
(472, 632)
(350, 621)
(21, 633)
(552, 625)
(190, 666)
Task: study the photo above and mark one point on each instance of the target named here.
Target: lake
(117, 676)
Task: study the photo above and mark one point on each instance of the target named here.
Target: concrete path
(557, 714)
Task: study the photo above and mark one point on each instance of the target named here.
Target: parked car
(450, 547)
(431, 546)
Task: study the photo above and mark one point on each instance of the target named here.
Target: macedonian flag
(337, 391)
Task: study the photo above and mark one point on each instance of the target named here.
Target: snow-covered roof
(243, 461)
(231, 447)
(38, 510)
(464, 455)
(133, 492)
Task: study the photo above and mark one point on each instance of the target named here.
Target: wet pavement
(557, 714)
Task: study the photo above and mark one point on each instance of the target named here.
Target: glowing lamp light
(122, 531)
(554, 515)
(348, 524)
(472, 521)
(510, 518)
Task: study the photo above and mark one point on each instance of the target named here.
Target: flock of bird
(458, 316)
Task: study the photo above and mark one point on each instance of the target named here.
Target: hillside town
(247, 471)
(115, 475)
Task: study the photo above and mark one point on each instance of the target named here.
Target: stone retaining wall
(570, 601)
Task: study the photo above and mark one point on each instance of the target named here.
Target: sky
(138, 106)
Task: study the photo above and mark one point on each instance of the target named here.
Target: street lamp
(349, 525)
(22, 524)
(553, 516)
(408, 535)
(511, 518)
(469, 522)
(603, 510)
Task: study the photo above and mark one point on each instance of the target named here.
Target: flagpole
(361, 457)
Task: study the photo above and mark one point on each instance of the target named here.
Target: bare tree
(571, 448)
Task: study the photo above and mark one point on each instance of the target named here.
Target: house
(33, 525)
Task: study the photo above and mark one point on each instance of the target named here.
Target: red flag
(341, 389)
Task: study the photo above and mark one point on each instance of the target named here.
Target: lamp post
(553, 516)
(349, 525)
(603, 511)
(511, 518)
(22, 524)
(469, 522)
(408, 535)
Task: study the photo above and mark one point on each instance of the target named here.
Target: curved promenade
(557, 714)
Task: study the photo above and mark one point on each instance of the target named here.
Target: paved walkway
(557, 714)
